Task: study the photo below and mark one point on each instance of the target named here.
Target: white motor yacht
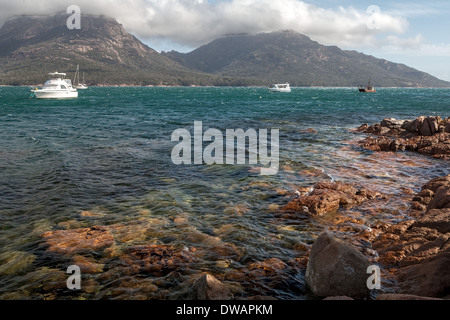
(57, 87)
(285, 87)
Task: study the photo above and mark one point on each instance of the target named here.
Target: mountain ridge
(288, 56)
(31, 46)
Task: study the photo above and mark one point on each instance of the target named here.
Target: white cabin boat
(285, 87)
(57, 87)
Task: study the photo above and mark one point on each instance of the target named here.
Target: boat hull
(45, 94)
(282, 87)
(81, 87)
(279, 90)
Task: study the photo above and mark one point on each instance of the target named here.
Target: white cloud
(404, 44)
(416, 47)
(195, 22)
(418, 9)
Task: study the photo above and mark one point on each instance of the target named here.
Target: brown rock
(336, 269)
(157, 260)
(78, 240)
(447, 127)
(88, 265)
(339, 298)
(414, 245)
(435, 219)
(430, 278)
(430, 188)
(269, 266)
(130, 232)
(317, 203)
(363, 128)
(409, 126)
(376, 143)
(392, 123)
(441, 199)
(429, 126)
(225, 250)
(417, 124)
(329, 197)
(209, 288)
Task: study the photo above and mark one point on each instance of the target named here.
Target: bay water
(104, 159)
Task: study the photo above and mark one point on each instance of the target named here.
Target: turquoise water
(108, 153)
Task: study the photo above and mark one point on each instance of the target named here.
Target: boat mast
(77, 72)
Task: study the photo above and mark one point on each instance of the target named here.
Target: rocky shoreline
(413, 254)
(425, 135)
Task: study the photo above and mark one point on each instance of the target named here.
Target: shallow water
(104, 159)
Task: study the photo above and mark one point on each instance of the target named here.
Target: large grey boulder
(336, 268)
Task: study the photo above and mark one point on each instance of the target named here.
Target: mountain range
(31, 47)
(288, 56)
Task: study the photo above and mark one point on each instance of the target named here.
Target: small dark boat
(368, 88)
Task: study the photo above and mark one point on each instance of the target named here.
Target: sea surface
(104, 159)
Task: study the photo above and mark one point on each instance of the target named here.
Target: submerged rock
(209, 288)
(269, 266)
(13, 262)
(157, 260)
(97, 238)
(87, 265)
(336, 268)
(329, 197)
(78, 240)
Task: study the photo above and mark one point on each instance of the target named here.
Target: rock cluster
(425, 135)
(414, 252)
(419, 250)
(329, 197)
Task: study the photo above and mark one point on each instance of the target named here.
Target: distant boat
(57, 87)
(368, 88)
(80, 86)
(285, 87)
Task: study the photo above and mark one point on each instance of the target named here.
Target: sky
(416, 33)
